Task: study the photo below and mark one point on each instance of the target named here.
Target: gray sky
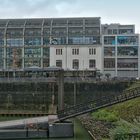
(110, 11)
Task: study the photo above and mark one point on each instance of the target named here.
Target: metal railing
(97, 104)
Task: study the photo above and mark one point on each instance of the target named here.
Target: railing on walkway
(97, 104)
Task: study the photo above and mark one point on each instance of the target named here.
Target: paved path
(23, 122)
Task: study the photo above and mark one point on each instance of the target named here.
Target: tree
(107, 75)
(99, 74)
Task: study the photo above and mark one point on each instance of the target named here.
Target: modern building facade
(120, 50)
(71, 43)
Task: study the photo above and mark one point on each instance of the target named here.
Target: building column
(41, 57)
(60, 90)
(138, 55)
(23, 57)
(116, 56)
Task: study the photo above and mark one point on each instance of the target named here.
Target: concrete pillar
(75, 93)
(61, 90)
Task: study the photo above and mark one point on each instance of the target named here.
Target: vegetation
(125, 116)
(105, 115)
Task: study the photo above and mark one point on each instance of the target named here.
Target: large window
(75, 40)
(109, 51)
(92, 31)
(59, 63)
(126, 31)
(128, 51)
(75, 64)
(77, 31)
(15, 42)
(29, 41)
(32, 52)
(109, 40)
(32, 32)
(29, 62)
(14, 33)
(92, 63)
(92, 40)
(109, 63)
(59, 32)
(57, 40)
(127, 63)
(127, 40)
(75, 22)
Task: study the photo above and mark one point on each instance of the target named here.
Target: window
(115, 31)
(92, 63)
(128, 51)
(109, 51)
(17, 42)
(109, 63)
(46, 62)
(92, 51)
(58, 51)
(75, 51)
(13, 57)
(29, 41)
(57, 40)
(127, 63)
(109, 40)
(32, 52)
(75, 64)
(75, 40)
(130, 40)
(29, 62)
(59, 63)
(109, 31)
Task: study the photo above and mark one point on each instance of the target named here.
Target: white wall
(83, 56)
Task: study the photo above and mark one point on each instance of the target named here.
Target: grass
(125, 116)
(105, 115)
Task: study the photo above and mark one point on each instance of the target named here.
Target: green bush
(122, 128)
(104, 115)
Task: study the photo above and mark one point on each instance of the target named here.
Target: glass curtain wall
(1, 57)
(14, 37)
(32, 57)
(13, 58)
(46, 55)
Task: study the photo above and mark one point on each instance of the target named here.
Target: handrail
(93, 105)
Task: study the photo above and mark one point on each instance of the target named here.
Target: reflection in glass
(109, 51)
(128, 51)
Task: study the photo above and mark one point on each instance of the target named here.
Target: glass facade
(109, 51)
(1, 57)
(127, 63)
(1, 37)
(127, 40)
(109, 40)
(109, 63)
(128, 51)
(13, 58)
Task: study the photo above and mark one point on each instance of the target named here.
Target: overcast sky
(110, 11)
